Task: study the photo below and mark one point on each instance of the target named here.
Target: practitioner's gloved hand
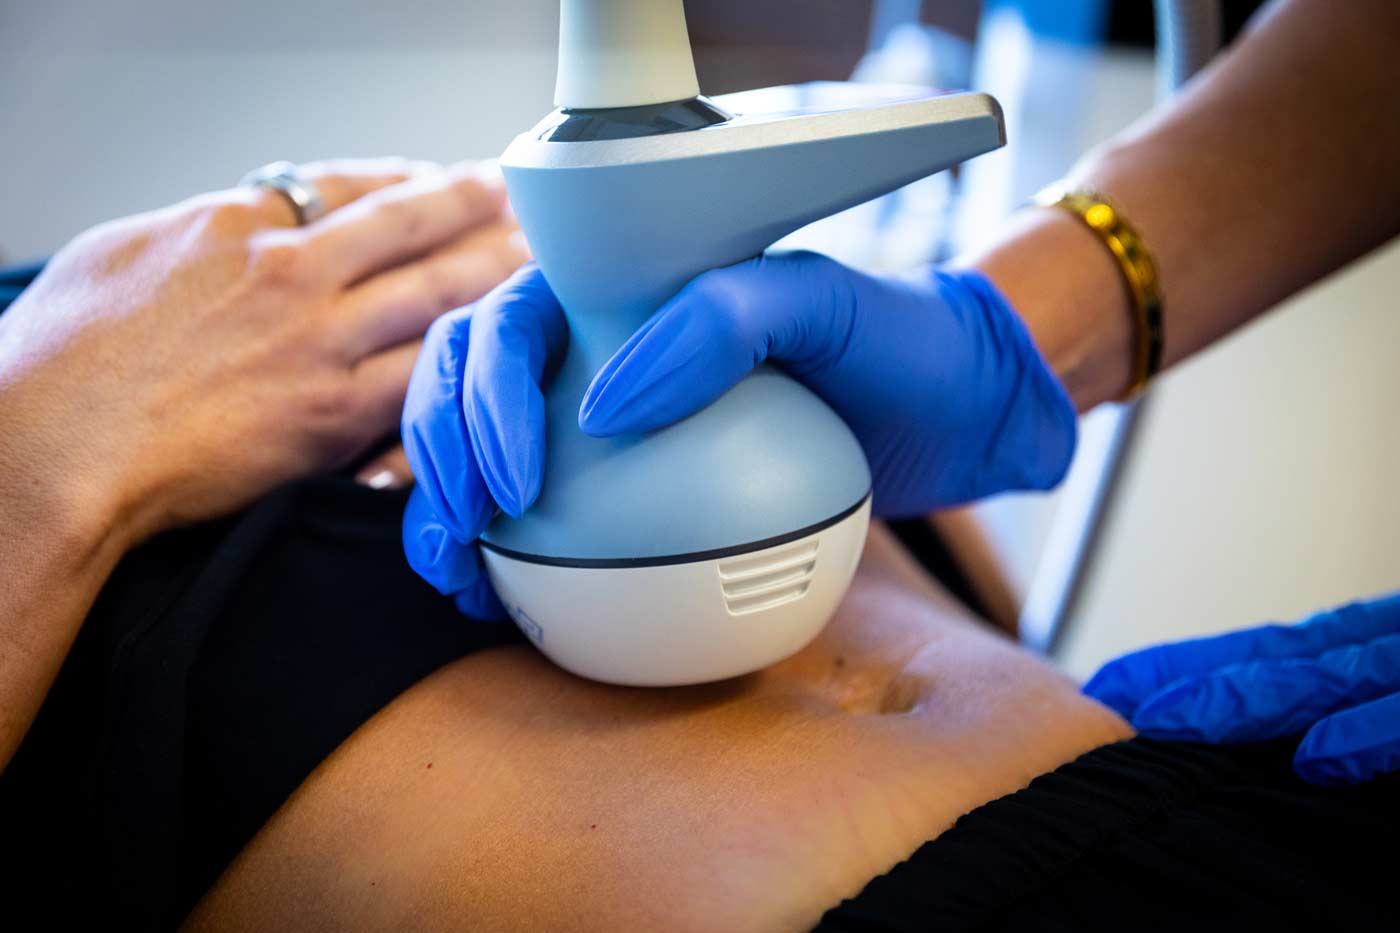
(933, 371)
(473, 430)
(1335, 678)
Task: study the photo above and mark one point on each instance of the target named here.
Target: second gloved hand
(1333, 678)
(933, 371)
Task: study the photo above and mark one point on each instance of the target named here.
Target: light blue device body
(619, 226)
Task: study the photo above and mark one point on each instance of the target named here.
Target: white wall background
(113, 107)
(1264, 481)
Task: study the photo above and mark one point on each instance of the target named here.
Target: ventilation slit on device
(751, 584)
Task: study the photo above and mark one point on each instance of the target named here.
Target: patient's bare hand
(171, 366)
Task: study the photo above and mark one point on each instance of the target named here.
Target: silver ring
(286, 180)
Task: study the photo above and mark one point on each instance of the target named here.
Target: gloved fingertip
(602, 412)
(1180, 712)
(1329, 755)
(503, 489)
(634, 415)
(524, 468)
(511, 502)
(1328, 771)
(500, 458)
(649, 402)
(511, 480)
(430, 501)
(663, 372)
(481, 602)
(435, 555)
(611, 409)
(1112, 687)
(597, 420)
(527, 485)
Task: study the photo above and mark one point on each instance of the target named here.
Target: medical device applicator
(724, 542)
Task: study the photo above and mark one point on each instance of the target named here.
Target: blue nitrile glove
(473, 429)
(1334, 676)
(933, 371)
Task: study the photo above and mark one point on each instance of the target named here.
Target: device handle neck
(623, 53)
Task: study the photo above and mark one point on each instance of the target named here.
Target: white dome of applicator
(623, 53)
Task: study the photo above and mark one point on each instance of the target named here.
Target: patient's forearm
(1276, 167)
(54, 558)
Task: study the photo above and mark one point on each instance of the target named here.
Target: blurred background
(1258, 483)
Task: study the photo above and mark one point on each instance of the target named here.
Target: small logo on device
(529, 626)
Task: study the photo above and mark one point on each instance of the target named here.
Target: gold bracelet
(1136, 265)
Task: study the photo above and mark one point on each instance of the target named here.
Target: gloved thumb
(705, 339)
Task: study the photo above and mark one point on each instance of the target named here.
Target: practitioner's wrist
(1034, 419)
(1066, 288)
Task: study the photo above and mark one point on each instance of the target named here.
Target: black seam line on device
(614, 563)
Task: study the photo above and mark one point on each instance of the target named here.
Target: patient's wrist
(57, 548)
(55, 513)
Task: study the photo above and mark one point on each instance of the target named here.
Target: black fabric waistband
(1152, 835)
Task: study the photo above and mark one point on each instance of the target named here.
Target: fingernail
(379, 479)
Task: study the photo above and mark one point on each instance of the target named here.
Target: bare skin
(504, 794)
(174, 366)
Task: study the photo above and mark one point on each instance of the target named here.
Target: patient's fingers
(391, 225)
(399, 304)
(339, 182)
(343, 181)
